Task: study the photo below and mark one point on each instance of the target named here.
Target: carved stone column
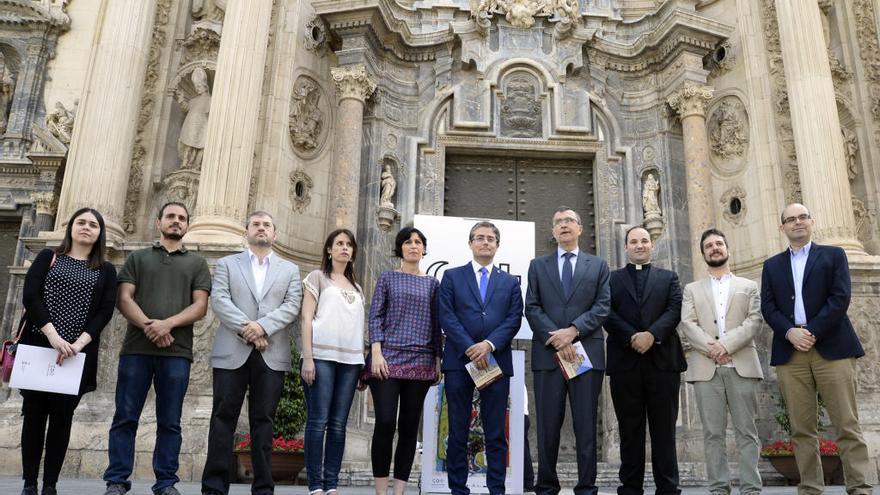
(100, 149)
(231, 138)
(690, 102)
(819, 146)
(353, 87)
(44, 204)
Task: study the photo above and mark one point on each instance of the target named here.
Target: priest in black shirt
(645, 361)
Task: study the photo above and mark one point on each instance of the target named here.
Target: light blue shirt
(560, 260)
(798, 264)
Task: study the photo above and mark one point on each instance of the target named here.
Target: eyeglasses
(487, 238)
(803, 217)
(564, 221)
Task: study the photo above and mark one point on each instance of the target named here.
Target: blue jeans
(170, 378)
(328, 399)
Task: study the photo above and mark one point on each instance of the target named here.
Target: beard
(260, 242)
(718, 262)
(174, 236)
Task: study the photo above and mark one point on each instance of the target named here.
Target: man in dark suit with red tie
(805, 293)
(645, 361)
(480, 312)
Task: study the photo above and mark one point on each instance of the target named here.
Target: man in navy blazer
(805, 293)
(480, 312)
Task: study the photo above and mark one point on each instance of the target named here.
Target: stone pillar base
(215, 230)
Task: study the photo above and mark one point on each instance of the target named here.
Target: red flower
(786, 447)
(279, 444)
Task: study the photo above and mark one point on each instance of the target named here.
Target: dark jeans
(329, 400)
(39, 408)
(170, 378)
(387, 394)
(265, 386)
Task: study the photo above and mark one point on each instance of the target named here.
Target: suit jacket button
(792, 298)
(714, 321)
(484, 313)
(716, 337)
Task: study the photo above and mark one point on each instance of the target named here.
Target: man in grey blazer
(720, 316)
(567, 301)
(257, 297)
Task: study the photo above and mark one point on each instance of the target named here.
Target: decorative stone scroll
(352, 82)
(690, 100)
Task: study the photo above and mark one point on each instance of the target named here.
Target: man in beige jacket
(720, 316)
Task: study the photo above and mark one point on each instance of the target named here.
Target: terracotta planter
(832, 468)
(286, 466)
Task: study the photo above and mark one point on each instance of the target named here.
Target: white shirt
(560, 259)
(798, 264)
(259, 270)
(720, 293)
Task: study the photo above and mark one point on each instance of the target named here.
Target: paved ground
(12, 486)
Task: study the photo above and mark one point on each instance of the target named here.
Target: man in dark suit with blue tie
(567, 301)
(805, 293)
(480, 311)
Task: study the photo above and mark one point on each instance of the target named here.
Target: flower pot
(832, 468)
(286, 466)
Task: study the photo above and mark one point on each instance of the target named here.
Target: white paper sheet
(35, 369)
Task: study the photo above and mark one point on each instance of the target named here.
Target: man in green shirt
(163, 290)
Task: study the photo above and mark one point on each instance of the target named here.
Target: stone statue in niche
(727, 131)
(208, 13)
(388, 187)
(7, 88)
(521, 110)
(651, 195)
(850, 151)
(306, 118)
(60, 121)
(191, 145)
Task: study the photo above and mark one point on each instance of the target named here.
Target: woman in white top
(332, 357)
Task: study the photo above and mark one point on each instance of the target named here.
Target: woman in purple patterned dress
(404, 360)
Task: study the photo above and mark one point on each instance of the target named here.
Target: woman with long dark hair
(332, 357)
(404, 360)
(69, 296)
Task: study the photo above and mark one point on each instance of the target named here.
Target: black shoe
(49, 490)
(29, 490)
(115, 489)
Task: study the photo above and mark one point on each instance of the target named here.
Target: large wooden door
(526, 189)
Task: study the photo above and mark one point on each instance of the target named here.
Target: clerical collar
(640, 267)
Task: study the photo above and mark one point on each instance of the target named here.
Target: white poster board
(35, 369)
(448, 248)
(434, 426)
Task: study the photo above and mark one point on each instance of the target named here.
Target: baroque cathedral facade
(675, 114)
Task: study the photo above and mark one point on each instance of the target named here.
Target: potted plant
(290, 418)
(780, 453)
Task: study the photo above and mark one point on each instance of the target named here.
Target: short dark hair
(480, 225)
(98, 253)
(258, 213)
(404, 235)
(172, 203)
(634, 227)
(710, 232)
(562, 208)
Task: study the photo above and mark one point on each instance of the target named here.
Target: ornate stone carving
(183, 186)
(860, 213)
(521, 109)
(352, 82)
(300, 190)
(7, 88)
(191, 144)
(522, 13)
(728, 129)
(850, 151)
(201, 44)
(721, 59)
(388, 187)
(44, 202)
(60, 121)
(208, 14)
(307, 115)
(145, 115)
(784, 132)
(869, 51)
(865, 315)
(733, 205)
(690, 99)
(315, 36)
